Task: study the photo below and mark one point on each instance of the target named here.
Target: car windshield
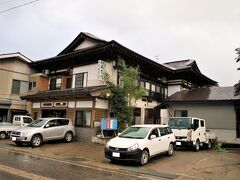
(180, 123)
(37, 123)
(135, 132)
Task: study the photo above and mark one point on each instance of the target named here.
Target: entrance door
(152, 116)
(3, 115)
(237, 108)
(54, 113)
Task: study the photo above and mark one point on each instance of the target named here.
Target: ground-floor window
(181, 113)
(83, 118)
(54, 113)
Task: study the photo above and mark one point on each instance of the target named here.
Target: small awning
(5, 104)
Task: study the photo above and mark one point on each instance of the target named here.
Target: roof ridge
(178, 61)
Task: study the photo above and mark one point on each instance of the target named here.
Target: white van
(18, 121)
(21, 120)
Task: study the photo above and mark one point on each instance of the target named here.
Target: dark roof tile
(205, 94)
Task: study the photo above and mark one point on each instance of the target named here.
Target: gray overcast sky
(205, 30)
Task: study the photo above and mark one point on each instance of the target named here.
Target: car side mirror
(47, 126)
(152, 136)
(192, 126)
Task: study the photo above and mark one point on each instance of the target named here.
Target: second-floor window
(69, 83)
(55, 83)
(19, 87)
(79, 78)
(32, 85)
(181, 113)
(15, 86)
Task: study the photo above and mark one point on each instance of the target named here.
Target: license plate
(115, 154)
(14, 138)
(178, 143)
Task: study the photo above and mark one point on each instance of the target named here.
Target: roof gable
(17, 55)
(83, 41)
(183, 64)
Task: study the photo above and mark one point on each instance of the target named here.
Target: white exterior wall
(164, 116)
(111, 71)
(102, 104)
(144, 105)
(84, 104)
(226, 136)
(85, 44)
(173, 88)
(92, 75)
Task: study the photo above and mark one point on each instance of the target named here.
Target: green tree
(124, 96)
(237, 86)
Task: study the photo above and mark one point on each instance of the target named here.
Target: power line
(15, 7)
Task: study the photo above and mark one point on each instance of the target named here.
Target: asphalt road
(76, 160)
(18, 166)
(8, 176)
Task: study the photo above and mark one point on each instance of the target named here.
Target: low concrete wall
(85, 134)
(226, 136)
(100, 140)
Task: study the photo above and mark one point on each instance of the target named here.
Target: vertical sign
(101, 69)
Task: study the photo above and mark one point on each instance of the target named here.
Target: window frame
(82, 81)
(14, 86)
(202, 124)
(181, 112)
(83, 124)
(55, 85)
(32, 85)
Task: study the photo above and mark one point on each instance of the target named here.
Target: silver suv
(42, 130)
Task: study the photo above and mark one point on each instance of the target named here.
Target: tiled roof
(64, 94)
(205, 94)
(16, 55)
(183, 64)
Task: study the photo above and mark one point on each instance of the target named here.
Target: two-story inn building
(71, 83)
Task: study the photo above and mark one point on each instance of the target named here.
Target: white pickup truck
(191, 131)
(18, 121)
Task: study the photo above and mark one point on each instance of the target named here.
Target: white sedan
(141, 142)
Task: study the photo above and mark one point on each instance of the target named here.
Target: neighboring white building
(14, 80)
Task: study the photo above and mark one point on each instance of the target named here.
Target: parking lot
(184, 164)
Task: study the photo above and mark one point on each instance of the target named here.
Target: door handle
(159, 140)
(168, 137)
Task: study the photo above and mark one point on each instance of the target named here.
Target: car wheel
(170, 149)
(19, 143)
(209, 145)
(68, 136)
(36, 141)
(144, 157)
(197, 146)
(3, 135)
